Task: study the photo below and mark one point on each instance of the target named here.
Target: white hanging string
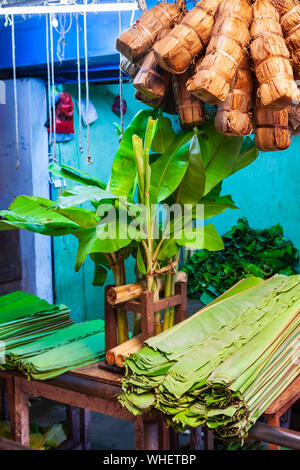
(79, 85)
(48, 82)
(15, 91)
(89, 158)
(121, 81)
(62, 31)
(53, 89)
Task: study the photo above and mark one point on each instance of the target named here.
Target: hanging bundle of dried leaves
(233, 115)
(271, 128)
(180, 48)
(152, 81)
(271, 58)
(137, 40)
(225, 52)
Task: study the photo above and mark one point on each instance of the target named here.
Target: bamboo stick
(118, 354)
(119, 294)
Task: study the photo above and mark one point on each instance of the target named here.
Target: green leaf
(168, 170)
(140, 262)
(248, 154)
(192, 186)
(213, 207)
(205, 237)
(124, 166)
(100, 275)
(83, 217)
(77, 195)
(65, 171)
(33, 214)
(219, 154)
(164, 135)
(99, 239)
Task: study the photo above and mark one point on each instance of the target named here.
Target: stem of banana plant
(118, 270)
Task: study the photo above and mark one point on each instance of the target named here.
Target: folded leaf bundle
(187, 40)
(290, 23)
(130, 68)
(224, 365)
(271, 128)
(137, 40)
(224, 53)
(152, 81)
(233, 115)
(152, 102)
(271, 58)
(25, 317)
(190, 109)
(72, 347)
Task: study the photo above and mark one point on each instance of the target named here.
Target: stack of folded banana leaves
(25, 317)
(223, 366)
(74, 346)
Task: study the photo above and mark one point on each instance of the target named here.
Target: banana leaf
(224, 365)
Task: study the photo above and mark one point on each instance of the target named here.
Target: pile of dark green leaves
(261, 253)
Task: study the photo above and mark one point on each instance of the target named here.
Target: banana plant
(153, 165)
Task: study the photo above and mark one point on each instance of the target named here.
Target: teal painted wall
(266, 193)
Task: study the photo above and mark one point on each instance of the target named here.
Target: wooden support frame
(147, 307)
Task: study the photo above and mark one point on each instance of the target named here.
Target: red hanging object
(116, 107)
(64, 114)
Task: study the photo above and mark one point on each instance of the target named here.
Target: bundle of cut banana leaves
(223, 366)
(73, 346)
(25, 317)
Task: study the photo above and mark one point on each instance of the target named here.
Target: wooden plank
(94, 373)
(7, 444)
(286, 399)
(20, 414)
(75, 391)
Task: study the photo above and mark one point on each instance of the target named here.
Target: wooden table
(95, 389)
(87, 388)
(279, 406)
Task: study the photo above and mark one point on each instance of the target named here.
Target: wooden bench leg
(208, 439)
(195, 439)
(72, 424)
(273, 420)
(85, 426)
(147, 432)
(4, 408)
(19, 411)
(138, 433)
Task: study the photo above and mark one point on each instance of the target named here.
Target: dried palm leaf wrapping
(233, 116)
(290, 23)
(137, 40)
(271, 58)
(152, 102)
(152, 80)
(225, 52)
(129, 68)
(294, 119)
(185, 42)
(271, 128)
(189, 108)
